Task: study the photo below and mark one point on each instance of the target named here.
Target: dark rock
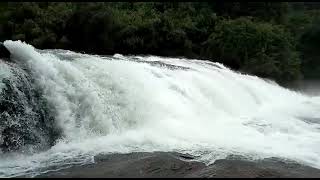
(168, 164)
(4, 53)
(266, 168)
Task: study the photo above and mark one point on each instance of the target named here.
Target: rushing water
(96, 104)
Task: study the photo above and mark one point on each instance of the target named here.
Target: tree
(310, 51)
(259, 48)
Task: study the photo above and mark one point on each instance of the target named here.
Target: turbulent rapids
(60, 108)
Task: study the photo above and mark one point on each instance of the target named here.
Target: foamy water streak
(123, 104)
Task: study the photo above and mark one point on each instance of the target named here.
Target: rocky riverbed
(168, 164)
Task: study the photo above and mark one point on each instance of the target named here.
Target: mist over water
(120, 104)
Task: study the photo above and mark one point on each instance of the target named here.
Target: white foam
(208, 109)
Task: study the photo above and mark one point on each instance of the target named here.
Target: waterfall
(75, 106)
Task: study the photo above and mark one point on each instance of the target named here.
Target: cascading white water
(123, 104)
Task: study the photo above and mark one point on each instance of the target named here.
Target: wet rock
(168, 164)
(4, 53)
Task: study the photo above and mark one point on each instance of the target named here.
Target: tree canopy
(276, 40)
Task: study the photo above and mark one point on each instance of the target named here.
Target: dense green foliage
(259, 48)
(272, 40)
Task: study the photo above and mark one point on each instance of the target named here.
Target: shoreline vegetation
(275, 40)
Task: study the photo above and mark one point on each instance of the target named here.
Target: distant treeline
(276, 40)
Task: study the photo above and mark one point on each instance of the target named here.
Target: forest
(276, 40)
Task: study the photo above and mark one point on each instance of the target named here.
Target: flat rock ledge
(170, 164)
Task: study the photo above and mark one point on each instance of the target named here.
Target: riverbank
(168, 164)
